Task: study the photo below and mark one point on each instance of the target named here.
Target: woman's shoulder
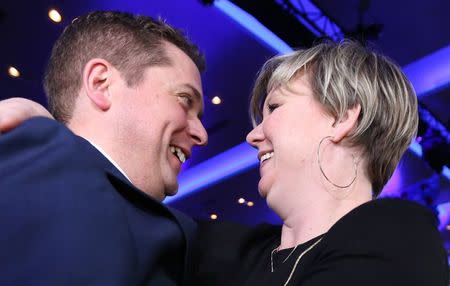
(382, 242)
(400, 207)
(391, 229)
(397, 215)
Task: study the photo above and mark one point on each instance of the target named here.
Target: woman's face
(287, 138)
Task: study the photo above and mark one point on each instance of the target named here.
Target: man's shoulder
(34, 133)
(44, 155)
(37, 126)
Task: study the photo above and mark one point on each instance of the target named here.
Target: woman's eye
(272, 106)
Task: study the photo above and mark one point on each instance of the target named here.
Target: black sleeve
(222, 248)
(389, 243)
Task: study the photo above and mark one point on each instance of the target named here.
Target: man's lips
(181, 153)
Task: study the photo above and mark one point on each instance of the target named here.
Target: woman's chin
(262, 193)
(263, 189)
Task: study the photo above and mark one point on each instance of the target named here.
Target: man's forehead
(196, 91)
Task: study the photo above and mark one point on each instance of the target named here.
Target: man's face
(159, 123)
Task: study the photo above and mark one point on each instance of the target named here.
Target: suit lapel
(189, 228)
(144, 201)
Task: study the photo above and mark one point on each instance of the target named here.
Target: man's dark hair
(129, 42)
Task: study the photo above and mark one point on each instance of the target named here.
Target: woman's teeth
(266, 156)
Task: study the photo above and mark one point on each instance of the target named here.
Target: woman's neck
(311, 217)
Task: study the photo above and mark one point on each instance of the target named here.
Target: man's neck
(109, 158)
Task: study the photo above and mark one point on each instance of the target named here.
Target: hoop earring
(355, 165)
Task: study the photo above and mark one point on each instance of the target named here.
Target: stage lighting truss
(434, 139)
(312, 18)
(432, 122)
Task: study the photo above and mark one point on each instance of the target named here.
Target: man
(82, 206)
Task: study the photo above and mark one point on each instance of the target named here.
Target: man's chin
(171, 190)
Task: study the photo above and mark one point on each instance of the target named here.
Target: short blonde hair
(343, 75)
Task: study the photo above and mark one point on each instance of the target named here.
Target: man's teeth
(266, 156)
(177, 152)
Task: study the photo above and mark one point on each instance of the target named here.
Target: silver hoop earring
(355, 165)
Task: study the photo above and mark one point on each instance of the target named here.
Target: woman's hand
(14, 111)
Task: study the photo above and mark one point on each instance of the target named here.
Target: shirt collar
(110, 159)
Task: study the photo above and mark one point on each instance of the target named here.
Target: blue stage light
(416, 149)
(444, 215)
(253, 25)
(431, 73)
(216, 169)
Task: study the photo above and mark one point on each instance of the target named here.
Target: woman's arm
(14, 111)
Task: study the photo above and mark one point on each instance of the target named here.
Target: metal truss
(313, 18)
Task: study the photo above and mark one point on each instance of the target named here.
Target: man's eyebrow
(198, 97)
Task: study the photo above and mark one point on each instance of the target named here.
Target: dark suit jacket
(69, 217)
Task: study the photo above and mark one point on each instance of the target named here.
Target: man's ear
(343, 126)
(97, 75)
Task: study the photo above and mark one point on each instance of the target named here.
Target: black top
(383, 242)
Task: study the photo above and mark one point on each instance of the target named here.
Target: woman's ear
(344, 126)
(97, 74)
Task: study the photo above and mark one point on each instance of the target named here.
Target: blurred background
(220, 181)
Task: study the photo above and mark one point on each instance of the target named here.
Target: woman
(331, 124)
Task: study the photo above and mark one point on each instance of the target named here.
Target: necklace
(276, 250)
(296, 261)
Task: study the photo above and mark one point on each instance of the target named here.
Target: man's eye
(185, 99)
(272, 106)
